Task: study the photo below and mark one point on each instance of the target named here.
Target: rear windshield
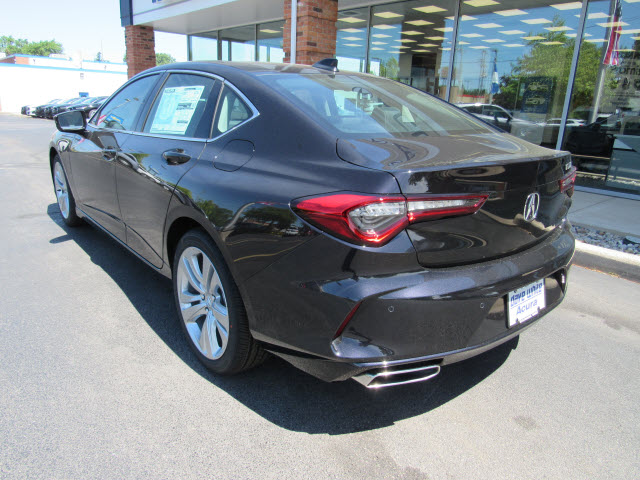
(373, 106)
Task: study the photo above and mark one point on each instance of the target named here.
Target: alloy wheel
(62, 191)
(203, 303)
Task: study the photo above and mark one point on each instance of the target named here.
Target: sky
(83, 27)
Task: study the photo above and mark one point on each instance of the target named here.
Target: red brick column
(141, 48)
(316, 30)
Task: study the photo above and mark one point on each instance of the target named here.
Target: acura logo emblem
(531, 207)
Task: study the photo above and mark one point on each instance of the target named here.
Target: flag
(612, 57)
(495, 80)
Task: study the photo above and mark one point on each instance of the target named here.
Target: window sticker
(176, 109)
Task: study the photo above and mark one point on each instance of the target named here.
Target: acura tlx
(352, 225)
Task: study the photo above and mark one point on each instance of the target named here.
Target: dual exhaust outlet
(394, 375)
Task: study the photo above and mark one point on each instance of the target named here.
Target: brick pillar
(316, 30)
(141, 48)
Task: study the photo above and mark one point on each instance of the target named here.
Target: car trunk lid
(512, 172)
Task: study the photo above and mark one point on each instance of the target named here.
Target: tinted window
(121, 111)
(231, 112)
(372, 106)
(183, 107)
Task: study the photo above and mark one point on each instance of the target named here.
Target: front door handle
(109, 153)
(176, 156)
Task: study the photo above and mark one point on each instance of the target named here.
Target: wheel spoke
(192, 270)
(186, 297)
(208, 338)
(193, 312)
(223, 332)
(208, 272)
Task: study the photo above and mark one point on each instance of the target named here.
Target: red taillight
(568, 182)
(376, 219)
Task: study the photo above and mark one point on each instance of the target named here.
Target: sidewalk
(602, 212)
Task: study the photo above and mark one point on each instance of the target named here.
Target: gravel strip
(602, 238)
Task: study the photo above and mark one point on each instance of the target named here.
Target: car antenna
(330, 64)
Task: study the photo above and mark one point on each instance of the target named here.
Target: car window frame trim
(164, 75)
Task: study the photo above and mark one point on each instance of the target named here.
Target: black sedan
(350, 224)
(39, 110)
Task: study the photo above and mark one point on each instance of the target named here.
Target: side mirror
(74, 121)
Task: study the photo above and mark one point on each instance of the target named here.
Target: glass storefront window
(238, 44)
(411, 42)
(204, 46)
(603, 129)
(512, 64)
(270, 42)
(351, 39)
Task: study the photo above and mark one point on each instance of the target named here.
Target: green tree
(164, 58)
(43, 48)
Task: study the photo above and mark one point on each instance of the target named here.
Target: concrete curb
(609, 261)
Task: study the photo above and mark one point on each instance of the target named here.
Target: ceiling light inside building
(471, 35)
(430, 9)
(384, 27)
(481, 3)
(487, 25)
(418, 23)
(511, 32)
(562, 28)
(444, 29)
(412, 32)
(552, 43)
(567, 6)
(351, 19)
(513, 45)
(387, 15)
(511, 13)
(536, 21)
(612, 24)
(534, 37)
(494, 40)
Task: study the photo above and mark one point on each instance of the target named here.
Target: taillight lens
(568, 182)
(376, 219)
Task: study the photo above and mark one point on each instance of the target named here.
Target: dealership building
(563, 74)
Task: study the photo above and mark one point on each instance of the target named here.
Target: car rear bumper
(424, 317)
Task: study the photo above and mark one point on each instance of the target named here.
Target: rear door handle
(109, 153)
(176, 156)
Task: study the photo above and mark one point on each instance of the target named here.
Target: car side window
(122, 110)
(183, 107)
(232, 111)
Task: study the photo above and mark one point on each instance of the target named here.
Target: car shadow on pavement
(277, 391)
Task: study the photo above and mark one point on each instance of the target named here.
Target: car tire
(210, 308)
(64, 195)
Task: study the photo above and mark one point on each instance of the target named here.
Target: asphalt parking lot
(96, 380)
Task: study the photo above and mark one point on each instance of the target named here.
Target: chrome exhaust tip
(397, 375)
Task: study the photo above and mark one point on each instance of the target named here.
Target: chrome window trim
(254, 111)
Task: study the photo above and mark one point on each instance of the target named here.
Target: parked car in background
(39, 110)
(353, 225)
(501, 118)
(88, 106)
(52, 111)
(29, 110)
(551, 129)
(76, 102)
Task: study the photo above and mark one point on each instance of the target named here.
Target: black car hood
(435, 152)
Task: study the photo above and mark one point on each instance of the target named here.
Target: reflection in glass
(351, 39)
(512, 65)
(604, 135)
(270, 42)
(238, 44)
(204, 46)
(411, 42)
